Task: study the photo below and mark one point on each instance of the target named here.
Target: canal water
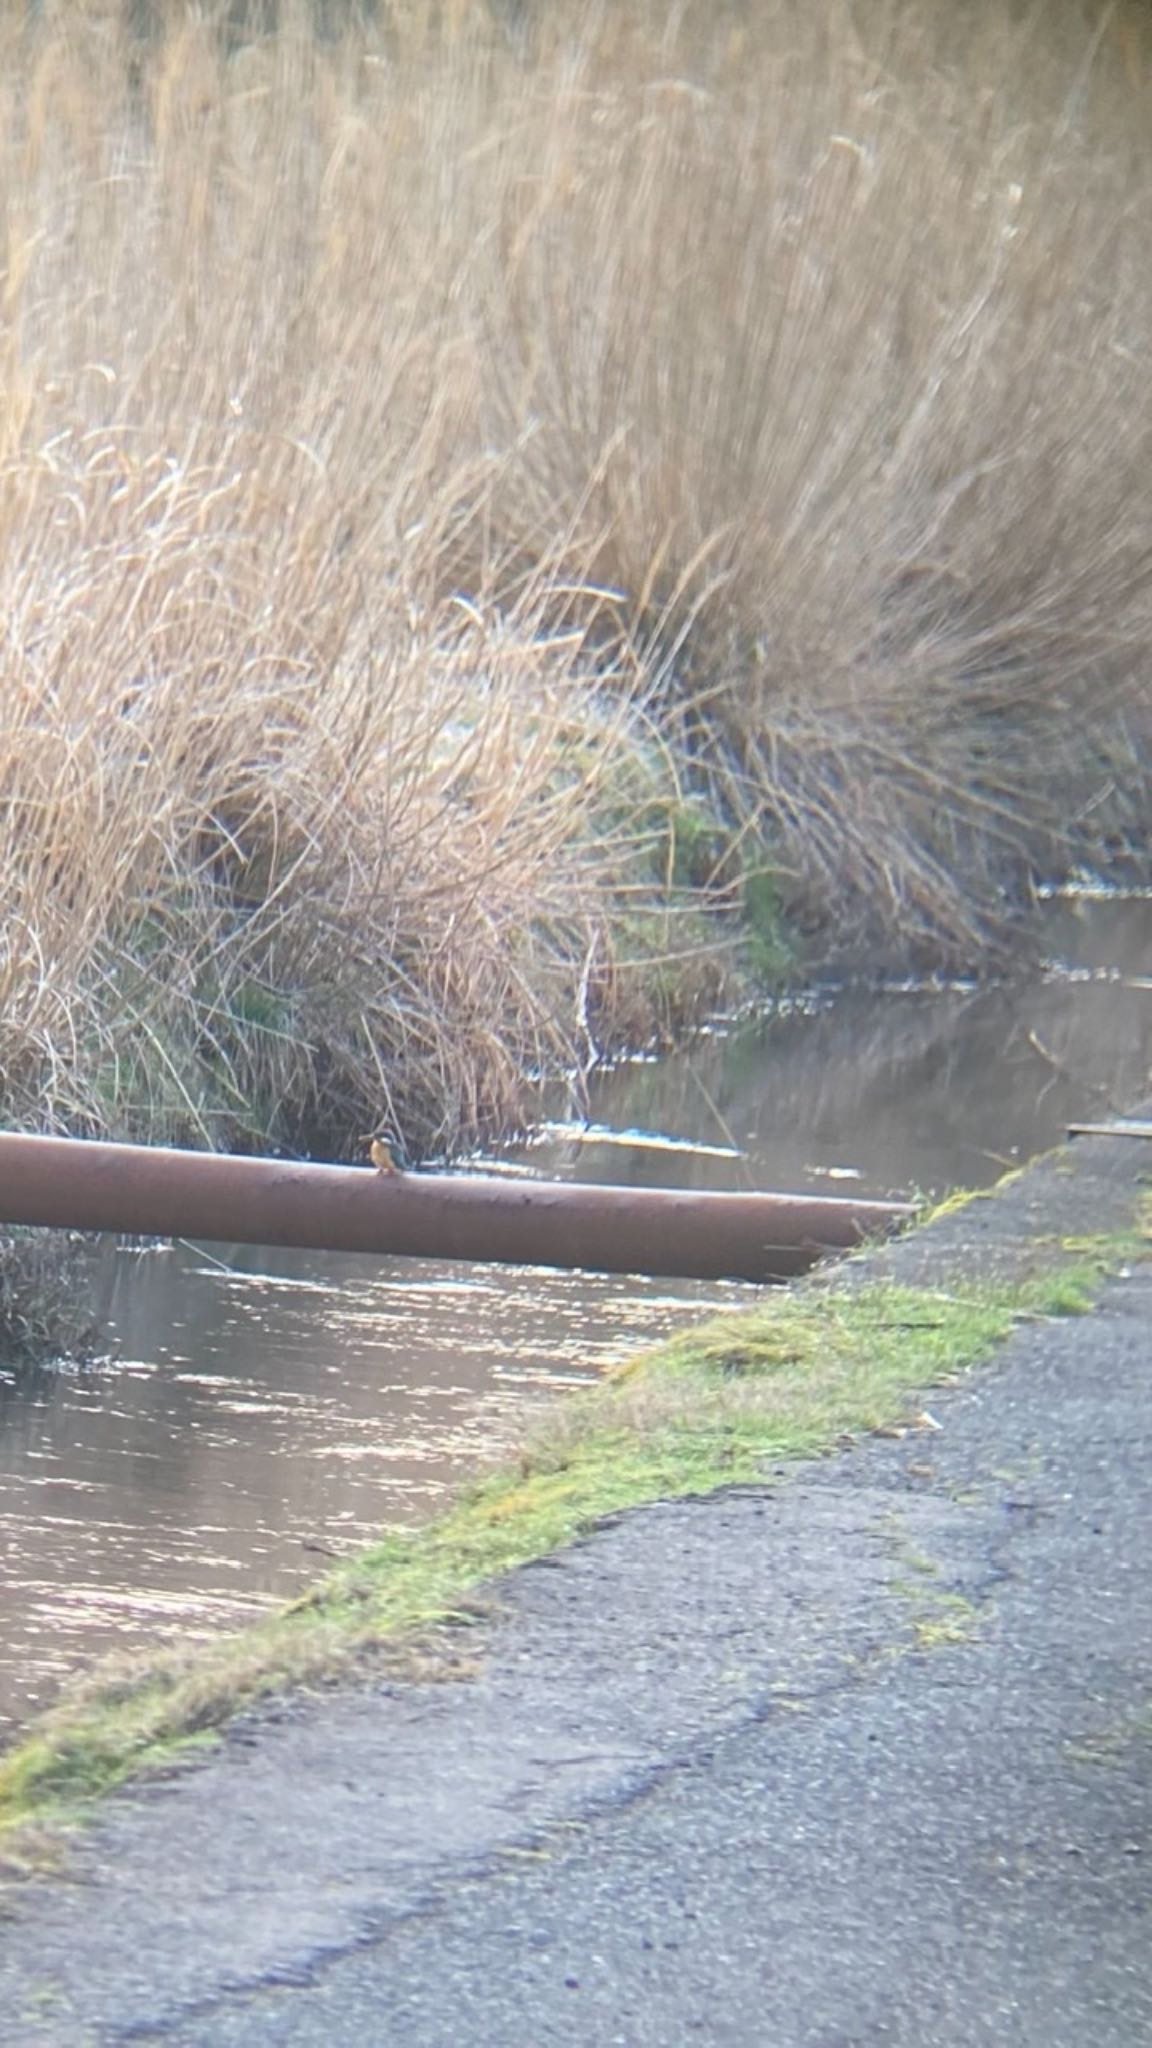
(259, 1413)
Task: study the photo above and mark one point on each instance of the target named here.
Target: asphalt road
(864, 1757)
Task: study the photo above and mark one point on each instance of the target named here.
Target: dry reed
(431, 452)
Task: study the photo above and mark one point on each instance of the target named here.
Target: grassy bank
(725, 1404)
(497, 514)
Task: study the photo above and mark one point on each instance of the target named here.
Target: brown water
(908, 1090)
(261, 1412)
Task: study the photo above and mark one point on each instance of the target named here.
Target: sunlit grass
(410, 428)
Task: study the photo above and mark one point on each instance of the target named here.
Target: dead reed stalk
(429, 455)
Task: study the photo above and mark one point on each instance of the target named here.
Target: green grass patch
(720, 1405)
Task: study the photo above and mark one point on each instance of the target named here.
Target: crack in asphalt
(329, 1832)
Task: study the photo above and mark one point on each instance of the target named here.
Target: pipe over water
(82, 1184)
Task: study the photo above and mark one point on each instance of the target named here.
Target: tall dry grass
(295, 827)
(415, 419)
(839, 320)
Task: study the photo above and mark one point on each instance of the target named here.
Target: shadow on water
(263, 1411)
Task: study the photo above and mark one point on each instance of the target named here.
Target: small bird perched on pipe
(386, 1151)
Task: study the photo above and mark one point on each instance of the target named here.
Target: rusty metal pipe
(78, 1184)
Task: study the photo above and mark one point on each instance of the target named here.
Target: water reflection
(263, 1411)
(913, 1089)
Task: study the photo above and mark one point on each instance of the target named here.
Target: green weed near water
(720, 1406)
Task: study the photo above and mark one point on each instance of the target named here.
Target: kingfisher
(386, 1152)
